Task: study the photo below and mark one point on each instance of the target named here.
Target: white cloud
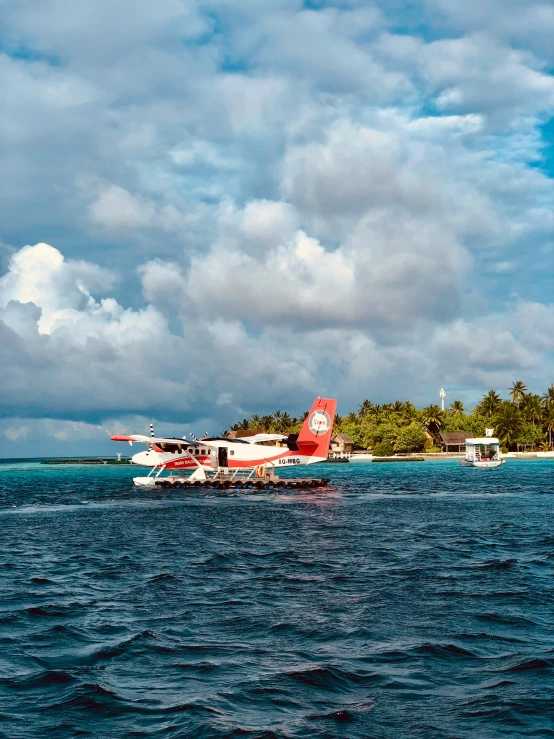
(475, 73)
(116, 208)
(97, 30)
(313, 202)
(526, 22)
(13, 434)
(101, 359)
(40, 275)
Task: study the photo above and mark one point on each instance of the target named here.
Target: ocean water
(405, 601)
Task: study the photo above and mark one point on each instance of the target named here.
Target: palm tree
(286, 421)
(549, 424)
(548, 397)
(533, 408)
(410, 411)
(377, 413)
(432, 416)
(351, 418)
(517, 392)
(365, 408)
(457, 407)
(398, 407)
(266, 423)
(491, 402)
(508, 425)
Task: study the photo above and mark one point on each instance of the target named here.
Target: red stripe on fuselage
(181, 462)
(232, 463)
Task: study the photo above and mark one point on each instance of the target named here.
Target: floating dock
(238, 484)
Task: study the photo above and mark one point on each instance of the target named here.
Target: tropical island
(522, 419)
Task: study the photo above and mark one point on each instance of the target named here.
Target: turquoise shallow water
(406, 601)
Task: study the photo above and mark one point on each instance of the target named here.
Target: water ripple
(406, 601)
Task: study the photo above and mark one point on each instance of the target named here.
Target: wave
(237, 619)
(497, 564)
(93, 698)
(505, 619)
(444, 651)
(42, 679)
(330, 678)
(162, 577)
(342, 716)
(53, 610)
(538, 663)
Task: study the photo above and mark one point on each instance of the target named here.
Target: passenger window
(231, 452)
(190, 450)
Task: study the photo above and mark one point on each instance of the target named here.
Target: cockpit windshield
(171, 448)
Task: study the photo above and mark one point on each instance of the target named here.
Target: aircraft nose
(144, 458)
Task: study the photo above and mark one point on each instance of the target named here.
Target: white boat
(483, 452)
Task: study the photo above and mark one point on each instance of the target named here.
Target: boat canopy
(485, 441)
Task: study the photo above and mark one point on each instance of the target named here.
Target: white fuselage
(234, 455)
(310, 445)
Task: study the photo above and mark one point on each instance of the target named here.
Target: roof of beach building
(242, 433)
(343, 437)
(455, 437)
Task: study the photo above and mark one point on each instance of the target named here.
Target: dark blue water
(406, 601)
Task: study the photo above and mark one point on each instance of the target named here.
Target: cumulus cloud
(117, 210)
(477, 73)
(250, 203)
(96, 360)
(528, 23)
(14, 433)
(40, 275)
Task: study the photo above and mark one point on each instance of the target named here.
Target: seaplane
(231, 462)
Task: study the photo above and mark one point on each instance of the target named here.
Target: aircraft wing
(258, 438)
(153, 440)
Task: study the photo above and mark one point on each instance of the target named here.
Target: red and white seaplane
(228, 460)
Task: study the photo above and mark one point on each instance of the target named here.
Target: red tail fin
(315, 435)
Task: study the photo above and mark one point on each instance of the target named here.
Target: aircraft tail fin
(315, 435)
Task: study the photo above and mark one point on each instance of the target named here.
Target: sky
(210, 209)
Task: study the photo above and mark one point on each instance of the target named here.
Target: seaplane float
(217, 462)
